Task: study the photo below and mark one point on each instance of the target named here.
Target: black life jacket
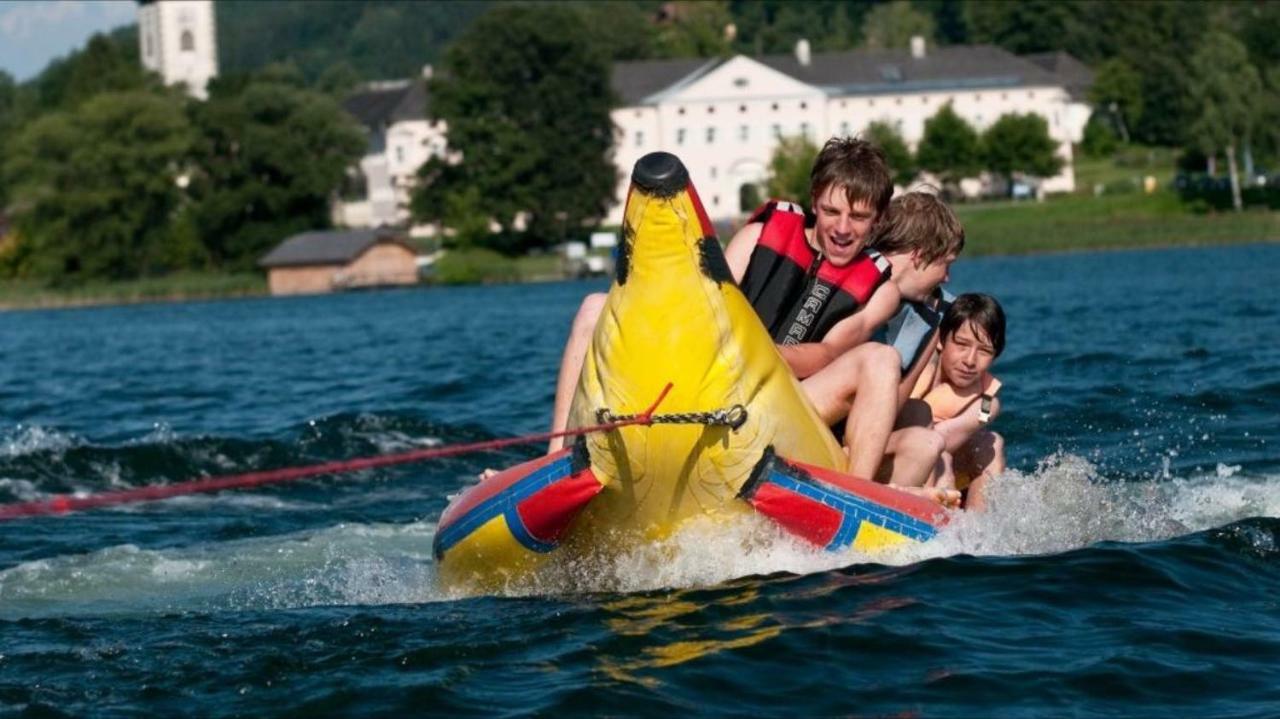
(798, 294)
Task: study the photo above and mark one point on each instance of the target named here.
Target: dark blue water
(1130, 565)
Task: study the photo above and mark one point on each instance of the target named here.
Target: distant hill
(369, 40)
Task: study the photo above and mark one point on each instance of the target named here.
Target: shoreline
(45, 299)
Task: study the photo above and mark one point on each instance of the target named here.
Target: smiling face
(966, 354)
(841, 230)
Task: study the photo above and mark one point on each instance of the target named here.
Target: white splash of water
(1062, 505)
(27, 439)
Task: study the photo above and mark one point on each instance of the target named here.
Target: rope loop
(732, 417)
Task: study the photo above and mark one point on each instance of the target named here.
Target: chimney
(917, 46)
(427, 72)
(802, 52)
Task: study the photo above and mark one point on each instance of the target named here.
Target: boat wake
(1063, 505)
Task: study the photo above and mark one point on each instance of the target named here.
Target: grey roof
(635, 81)
(384, 103)
(336, 247)
(859, 72)
(1073, 74)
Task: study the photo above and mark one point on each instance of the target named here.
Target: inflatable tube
(673, 316)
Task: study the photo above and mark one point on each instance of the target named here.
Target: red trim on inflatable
(708, 230)
(547, 513)
(493, 485)
(909, 504)
(805, 518)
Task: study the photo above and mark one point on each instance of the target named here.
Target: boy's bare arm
(957, 430)
(916, 369)
(809, 357)
(738, 252)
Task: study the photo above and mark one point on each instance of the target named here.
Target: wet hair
(918, 221)
(856, 165)
(981, 310)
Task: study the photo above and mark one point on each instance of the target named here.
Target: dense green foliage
(893, 24)
(1020, 144)
(269, 155)
(1226, 88)
(896, 152)
(950, 147)
(789, 169)
(527, 104)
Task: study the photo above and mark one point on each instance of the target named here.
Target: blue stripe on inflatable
(505, 502)
(855, 510)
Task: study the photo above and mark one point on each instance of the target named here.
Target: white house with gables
(723, 116)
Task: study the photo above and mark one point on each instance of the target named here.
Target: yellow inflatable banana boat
(734, 435)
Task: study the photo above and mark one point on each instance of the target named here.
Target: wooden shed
(315, 262)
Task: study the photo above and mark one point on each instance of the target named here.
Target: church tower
(178, 41)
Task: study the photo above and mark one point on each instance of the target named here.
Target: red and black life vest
(798, 294)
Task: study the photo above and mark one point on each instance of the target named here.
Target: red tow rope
(64, 503)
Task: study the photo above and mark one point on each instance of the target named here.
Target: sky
(32, 33)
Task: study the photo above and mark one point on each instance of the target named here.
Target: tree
(106, 64)
(1226, 89)
(527, 104)
(893, 24)
(789, 169)
(895, 150)
(950, 147)
(1020, 144)
(269, 157)
(1099, 137)
(1117, 90)
(694, 29)
(95, 190)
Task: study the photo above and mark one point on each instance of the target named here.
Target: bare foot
(948, 498)
(487, 473)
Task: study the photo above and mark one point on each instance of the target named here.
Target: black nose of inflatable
(661, 174)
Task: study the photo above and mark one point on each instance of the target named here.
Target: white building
(401, 138)
(723, 116)
(178, 40)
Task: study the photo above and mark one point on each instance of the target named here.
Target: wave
(1063, 505)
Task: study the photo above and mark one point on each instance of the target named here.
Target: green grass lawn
(1081, 222)
(182, 286)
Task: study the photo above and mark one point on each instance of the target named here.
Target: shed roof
(334, 247)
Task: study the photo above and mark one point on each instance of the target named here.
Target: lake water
(1130, 565)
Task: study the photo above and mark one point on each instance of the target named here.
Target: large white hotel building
(723, 116)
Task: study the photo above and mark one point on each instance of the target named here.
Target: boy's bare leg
(860, 386)
(911, 457)
(982, 458)
(575, 352)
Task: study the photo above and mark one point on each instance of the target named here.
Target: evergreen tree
(1020, 144)
(527, 102)
(269, 157)
(950, 147)
(896, 152)
(1227, 91)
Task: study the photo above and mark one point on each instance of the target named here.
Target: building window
(680, 111)
(399, 153)
(711, 109)
(804, 106)
(1004, 96)
(742, 108)
(713, 172)
(715, 200)
(977, 97)
(1031, 95)
(680, 136)
(897, 101)
(711, 135)
(188, 41)
(740, 82)
(146, 44)
(804, 129)
(744, 132)
(775, 106)
(924, 99)
(777, 130)
(844, 129)
(871, 103)
(639, 138)
(842, 103)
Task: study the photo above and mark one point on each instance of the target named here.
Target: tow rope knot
(732, 417)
